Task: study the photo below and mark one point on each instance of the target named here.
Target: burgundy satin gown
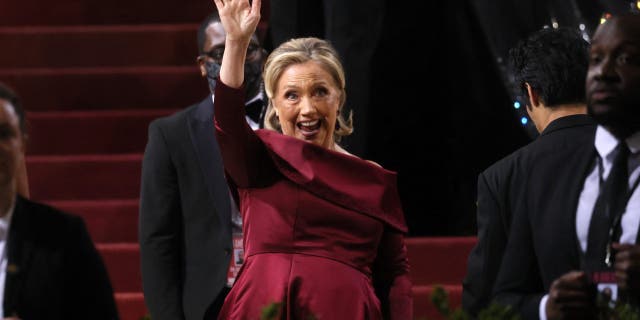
(323, 231)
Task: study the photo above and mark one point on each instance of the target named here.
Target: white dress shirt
(606, 144)
(5, 221)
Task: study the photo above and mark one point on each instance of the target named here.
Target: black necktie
(608, 210)
(254, 110)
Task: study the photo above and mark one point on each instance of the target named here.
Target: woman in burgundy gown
(323, 229)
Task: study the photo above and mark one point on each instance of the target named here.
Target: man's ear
(201, 66)
(534, 97)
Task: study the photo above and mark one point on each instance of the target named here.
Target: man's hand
(570, 298)
(627, 267)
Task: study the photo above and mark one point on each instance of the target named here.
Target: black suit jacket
(542, 242)
(498, 196)
(185, 228)
(53, 269)
(502, 193)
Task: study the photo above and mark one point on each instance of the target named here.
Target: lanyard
(617, 219)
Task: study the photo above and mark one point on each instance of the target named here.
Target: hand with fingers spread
(570, 297)
(239, 19)
(627, 267)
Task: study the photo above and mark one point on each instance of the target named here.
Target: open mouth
(309, 128)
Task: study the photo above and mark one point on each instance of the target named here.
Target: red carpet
(92, 75)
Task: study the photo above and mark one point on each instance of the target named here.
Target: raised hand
(239, 18)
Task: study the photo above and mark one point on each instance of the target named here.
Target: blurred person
(578, 233)
(323, 229)
(187, 218)
(49, 266)
(550, 67)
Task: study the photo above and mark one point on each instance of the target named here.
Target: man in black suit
(49, 267)
(187, 218)
(545, 273)
(550, 66)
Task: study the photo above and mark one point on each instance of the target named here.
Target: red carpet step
(123, 264)
(98, 46)
(439, 260)
(107, 88)
(122, 260)
(74, 12)
(131, 305)
(90, 177)
(108, 221)
(90, 132)
(424, 309)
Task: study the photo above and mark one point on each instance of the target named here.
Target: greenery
(440, 299)
(606, 309)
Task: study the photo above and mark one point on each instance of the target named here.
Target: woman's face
(307, 101)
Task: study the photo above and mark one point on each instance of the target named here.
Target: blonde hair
(297, 51)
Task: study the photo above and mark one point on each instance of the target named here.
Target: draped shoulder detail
(345, 180)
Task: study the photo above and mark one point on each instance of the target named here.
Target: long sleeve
(88, 285)
(244, 155)
(160, 235)
(391, 277)
(519, 281)
(484, 260)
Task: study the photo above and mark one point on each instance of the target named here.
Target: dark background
(442, 99)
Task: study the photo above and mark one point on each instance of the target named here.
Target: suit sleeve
(88, 282)
(160, 230)
(485, 258)
(519, 282)
(391, 277)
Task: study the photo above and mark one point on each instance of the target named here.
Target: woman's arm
(244, 155)
(391, 277)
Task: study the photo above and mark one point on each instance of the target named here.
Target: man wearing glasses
(189, 224)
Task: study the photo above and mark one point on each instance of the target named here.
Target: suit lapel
(202, 133)
(19, 250)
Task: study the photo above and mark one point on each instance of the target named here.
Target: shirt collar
(5, 221)
(259, 96)
(606, 142)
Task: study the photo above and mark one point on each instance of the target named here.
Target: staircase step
(438, 260)
(131, 305)
(85, 177)
(98, 46)
(423, 308)
(102, 132)
(108, 221)
(123, 265)
(73, 12)
(107, 88)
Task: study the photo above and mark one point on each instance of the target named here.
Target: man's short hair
(554, 62)
(202, 30)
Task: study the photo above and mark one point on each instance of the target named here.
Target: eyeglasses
(216, 54)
